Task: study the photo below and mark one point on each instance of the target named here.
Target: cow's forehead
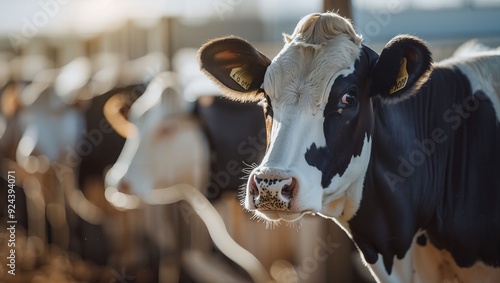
(301, 74)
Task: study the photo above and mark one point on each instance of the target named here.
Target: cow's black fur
(434, 167)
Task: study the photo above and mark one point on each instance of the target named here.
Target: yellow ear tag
(401, 79)
(242, 77)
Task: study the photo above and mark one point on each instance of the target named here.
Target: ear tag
(242, 77)
(401, 79)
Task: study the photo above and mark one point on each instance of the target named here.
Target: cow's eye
(347, 100)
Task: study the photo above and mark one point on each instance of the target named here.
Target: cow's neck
(414, 143)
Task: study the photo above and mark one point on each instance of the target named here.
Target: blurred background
(102, 101)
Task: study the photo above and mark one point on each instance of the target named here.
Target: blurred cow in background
(158, 116)
(110, 242)
(165, 146)
(22, 71)
(16, 74)
(47, 108)
(54, 132)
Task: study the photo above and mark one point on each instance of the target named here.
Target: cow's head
(317, 96)
(165, 145)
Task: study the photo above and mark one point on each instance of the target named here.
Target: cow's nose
(272, 192)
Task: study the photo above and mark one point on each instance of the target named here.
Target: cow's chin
(276, 215)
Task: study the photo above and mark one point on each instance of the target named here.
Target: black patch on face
(344, 132)
(339, 130)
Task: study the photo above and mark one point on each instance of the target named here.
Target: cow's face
(317, 97)
(165, 145)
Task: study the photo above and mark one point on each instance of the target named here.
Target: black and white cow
(402, 153)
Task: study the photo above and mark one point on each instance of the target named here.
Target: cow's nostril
(254, 191)
(288, 190)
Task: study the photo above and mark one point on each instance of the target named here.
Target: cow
(163, 114)
(165, 146)
(49, 118)
(16, 74)
(401, 152)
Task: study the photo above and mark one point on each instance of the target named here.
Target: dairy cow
(402, 153)
(165, 146)
(160, 120)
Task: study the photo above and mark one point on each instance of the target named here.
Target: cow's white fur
(300, 76)
(483, 71)
(424, 264)
(434, 265)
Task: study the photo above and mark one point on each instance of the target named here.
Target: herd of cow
(401, 152)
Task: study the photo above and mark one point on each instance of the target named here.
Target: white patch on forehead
(300, 75)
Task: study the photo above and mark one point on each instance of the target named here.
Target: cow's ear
(9, 100)
(403, 66)
(235, 66)
(116, 110)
